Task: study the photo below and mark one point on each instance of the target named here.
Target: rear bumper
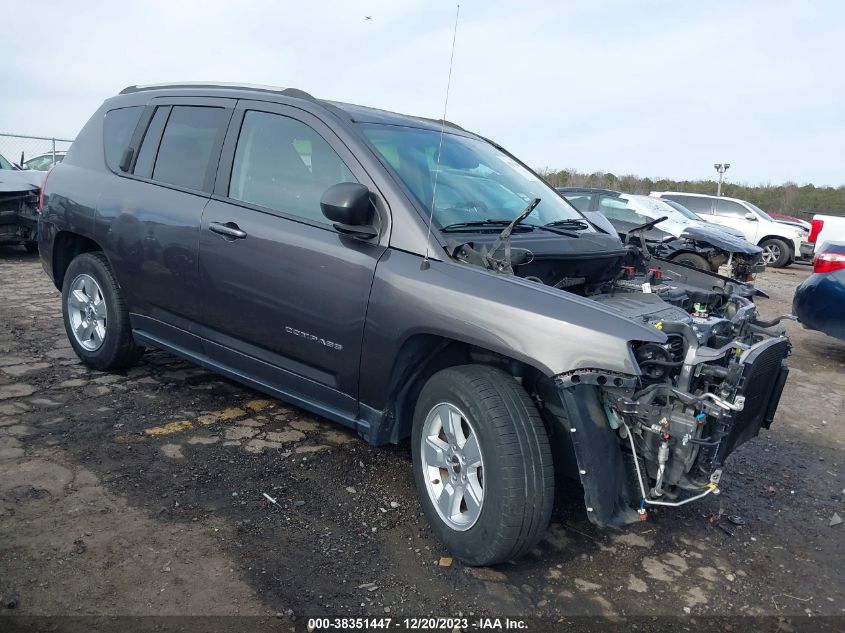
(806, 250)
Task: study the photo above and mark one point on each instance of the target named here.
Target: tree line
(799, 200)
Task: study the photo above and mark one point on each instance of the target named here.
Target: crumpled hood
(25, 180)
(721, 239)
(724, 229)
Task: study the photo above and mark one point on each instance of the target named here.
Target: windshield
(681, 209)
(760, 212)
(655, 208)
(476, 183)
(4, 164)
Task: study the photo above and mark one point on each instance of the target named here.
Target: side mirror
(348, 206)
(751, 216)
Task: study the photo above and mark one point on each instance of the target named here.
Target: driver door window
(284, 165)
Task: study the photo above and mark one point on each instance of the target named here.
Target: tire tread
(125, 352)
(524, 458)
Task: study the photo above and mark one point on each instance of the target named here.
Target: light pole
(721, 168)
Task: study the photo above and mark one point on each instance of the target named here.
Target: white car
(827, 228)
(43, 162)
(782, 243)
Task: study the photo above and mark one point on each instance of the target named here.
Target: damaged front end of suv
(18, 209)
(661, 436)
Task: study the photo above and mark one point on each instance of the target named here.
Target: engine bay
(711, 386)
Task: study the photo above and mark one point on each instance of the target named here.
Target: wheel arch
(424, 354)
(66, 246)
(789, 243)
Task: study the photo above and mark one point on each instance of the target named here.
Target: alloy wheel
(452, 466)
(771, 253)
(86, 308)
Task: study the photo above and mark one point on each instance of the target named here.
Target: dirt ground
(144, 493)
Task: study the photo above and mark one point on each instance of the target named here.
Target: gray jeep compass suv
(408, 279)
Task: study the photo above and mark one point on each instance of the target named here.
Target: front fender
(549, 329)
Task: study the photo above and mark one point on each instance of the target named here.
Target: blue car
(819, 302)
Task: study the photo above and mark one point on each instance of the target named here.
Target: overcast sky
(659, 89)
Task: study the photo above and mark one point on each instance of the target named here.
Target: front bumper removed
(616, 475)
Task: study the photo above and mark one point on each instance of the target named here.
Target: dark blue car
(820, 301)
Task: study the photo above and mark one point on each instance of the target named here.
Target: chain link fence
(32, 152)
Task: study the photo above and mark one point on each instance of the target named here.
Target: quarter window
(118, 127)
(282, 164)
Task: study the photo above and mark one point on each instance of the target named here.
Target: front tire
(95, 317)
(776, 252)
(482, 464)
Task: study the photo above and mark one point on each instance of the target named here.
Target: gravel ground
(143, 493)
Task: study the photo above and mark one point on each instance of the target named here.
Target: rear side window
(729, 209)
(118, 127)
(149, 146)
(694, 203)
(178, 144)
(185, 149)
(282, 164)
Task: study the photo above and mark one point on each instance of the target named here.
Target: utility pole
(721, 168)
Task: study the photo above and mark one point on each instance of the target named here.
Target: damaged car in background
(19, 190)
(409, 279)
(680, 236)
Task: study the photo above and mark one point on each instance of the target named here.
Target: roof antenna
(425, 264)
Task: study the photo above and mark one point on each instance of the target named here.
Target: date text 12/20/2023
(417, 624)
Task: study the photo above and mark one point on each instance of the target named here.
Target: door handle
(229, 229)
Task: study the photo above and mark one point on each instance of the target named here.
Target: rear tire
(500, 509)
(776, 252)
(31, 247)
(95, 317)
(692, 260)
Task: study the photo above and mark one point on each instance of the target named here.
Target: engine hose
(773, 322)
(711, 487)
(660, 363)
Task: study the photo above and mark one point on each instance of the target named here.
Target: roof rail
(288, 92)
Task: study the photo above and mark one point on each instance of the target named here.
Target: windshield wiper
(477, 224)
(642, 228)
(647, 225)
(504, 236)
(570, 223)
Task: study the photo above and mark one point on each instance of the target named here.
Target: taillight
(815, 229)
(828, 262)
(40, 208)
